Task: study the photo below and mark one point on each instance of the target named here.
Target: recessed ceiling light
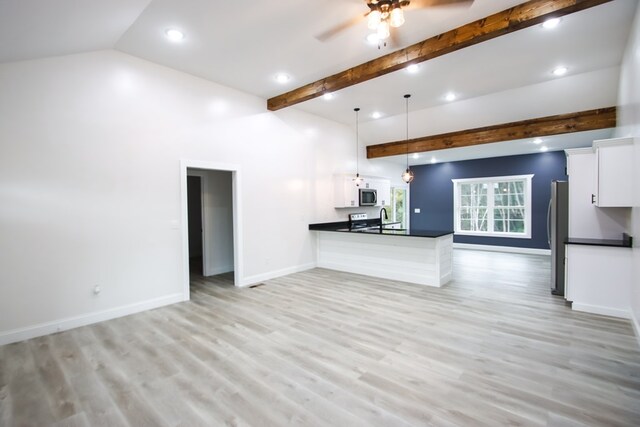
(416, 155)
(174, 35)
(450, 97)
(543, 149)
(373, 38)
(560, 71)
(551, 23)
(328, 96)
(376, 115)
(433, 160)
(537, 141)
(282, 77)
(413, 68)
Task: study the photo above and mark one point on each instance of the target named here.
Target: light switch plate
(416, 210)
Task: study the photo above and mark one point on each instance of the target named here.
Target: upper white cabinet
(346, 194)
(613, 185)
(383, 188)
(585, 218)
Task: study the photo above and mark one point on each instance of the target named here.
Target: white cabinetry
(383, 188)
(614, 173)
(346, 194)
(585, 219)
(599, 279)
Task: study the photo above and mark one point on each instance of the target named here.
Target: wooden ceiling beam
(602, 118)
(516, 18)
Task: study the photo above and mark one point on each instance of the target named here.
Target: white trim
(596, 309)
(252, 280)
(47, 328)
(636, 325)
(237, 215)
(488, 181)
(484, 179)
(491, 248)
(583, 150)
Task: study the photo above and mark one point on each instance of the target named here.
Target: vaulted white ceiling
(244, 43)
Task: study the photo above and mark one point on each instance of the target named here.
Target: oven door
(368, 197)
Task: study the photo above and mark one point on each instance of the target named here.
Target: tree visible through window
(499, 206)
(398, 206)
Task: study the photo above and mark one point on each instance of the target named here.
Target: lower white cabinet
(598, 279)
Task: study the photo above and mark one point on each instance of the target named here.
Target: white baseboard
(596, 309)
(252, 280)
(47, 328)
(491, 248)
(636, 325)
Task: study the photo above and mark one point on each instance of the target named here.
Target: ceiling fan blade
(335, 30)
(421, 4)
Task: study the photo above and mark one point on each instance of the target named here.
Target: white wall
(90, 150)
(629, 125)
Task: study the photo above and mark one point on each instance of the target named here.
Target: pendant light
(357, 179)
(407, 176)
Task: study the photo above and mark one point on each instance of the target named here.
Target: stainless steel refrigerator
(557, 232)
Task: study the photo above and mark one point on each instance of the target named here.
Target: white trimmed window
(497, 206)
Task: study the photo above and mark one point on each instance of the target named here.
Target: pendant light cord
(357, 144)
(406, 97)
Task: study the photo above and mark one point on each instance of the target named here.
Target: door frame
(237, 214)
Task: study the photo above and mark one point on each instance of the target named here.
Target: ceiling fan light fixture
(383, 30)
(396, 18)
(374, 19)
(372, 38)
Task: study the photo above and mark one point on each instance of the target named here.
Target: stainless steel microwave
(368, 197)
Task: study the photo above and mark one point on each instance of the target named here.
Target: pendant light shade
(407, 175)
(357, 179)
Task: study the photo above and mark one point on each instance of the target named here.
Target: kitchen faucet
(383, 210)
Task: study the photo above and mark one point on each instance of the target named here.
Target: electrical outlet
(97, 289)
(416, 210)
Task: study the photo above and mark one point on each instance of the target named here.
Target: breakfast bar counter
(415, 256)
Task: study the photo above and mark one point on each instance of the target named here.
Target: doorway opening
(194, 218)
(210, 213)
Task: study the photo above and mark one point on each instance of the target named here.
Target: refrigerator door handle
(549, 223)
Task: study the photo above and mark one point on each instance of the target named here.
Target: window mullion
(490, 204)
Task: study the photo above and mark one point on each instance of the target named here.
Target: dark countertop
(625, 242)
(362, 227)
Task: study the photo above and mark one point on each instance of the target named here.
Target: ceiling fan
(385, 14)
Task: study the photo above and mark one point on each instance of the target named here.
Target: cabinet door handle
(593, 199)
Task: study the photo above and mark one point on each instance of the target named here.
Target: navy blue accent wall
(432, 192)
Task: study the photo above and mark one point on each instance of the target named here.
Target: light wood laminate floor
(322, 348)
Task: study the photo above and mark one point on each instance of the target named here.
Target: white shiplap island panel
(421, 260)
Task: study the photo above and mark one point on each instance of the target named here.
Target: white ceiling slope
(242, 44)
(31, 29)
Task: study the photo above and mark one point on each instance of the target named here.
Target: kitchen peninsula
(415, 256)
